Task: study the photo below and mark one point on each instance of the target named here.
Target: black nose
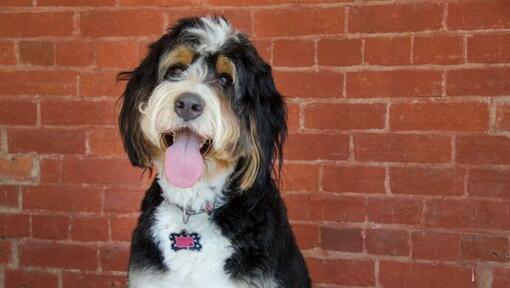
(189, 106)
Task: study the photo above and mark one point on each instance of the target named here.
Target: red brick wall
(398, 160)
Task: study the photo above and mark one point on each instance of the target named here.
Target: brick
(18, 112)
(241, 2)
(16, 167)
(478, 15)
(501, 278)
(489, 48)
(293, 53)
(395, 18)
(114, 257)
(387, 242)
(122, 228)
(58, 255)
(122, 199)
(98, 84)
(33, 279)
(75, 3)
(26, 24)
(338, 209)
(427, 181)
(438, 50)
(7, 53)
(354, 272)
(345, 116)
(400, 83)
(74, 53)
(117, 54)
(9, 196)
(50, 170)
(489, 183)
(435, 245)
(6, 252)
(307, 236)
(294, 115)
(467, 116)
(394, 210)
(293, 179)
(478, 82)
(503, 117)
(485, 248)
(417, 275)
(37, 82)
(317, 147)
(339, 52)
(402, 148)
(105, 142)
(461, 214)
(388, 51)
(37, 52)
(121, 23)
(321, 84)
(88, 170)
(86, 280)
(62, 198)
(14, 225)
(89, 229)
(79, 112)
(483, 149)
(341, 239)
(298, 21)
(353, 179)
(42, 140)
(50, 227)
(15, 3)
(159, 2)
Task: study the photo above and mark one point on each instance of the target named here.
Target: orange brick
(395, 18)
(16, 167)
(489, 48)
(478, 82)
(42, 140)
(354, 179)
(121, 23)
(320, 84)
(122, 228)
(62, 198)
(9, 196)
(402, 148)
(27, 24)
(345, 116)
(105, 142)
(347, 239)
(37, 53)
(18, 112)
(117, 54)
(89, 228)
(467, 116)
(74, 53)
(487, 248)
(435, 245)
(438, 50)
(293, 179)
(354, 272)
(387, 242)
(401, 83)
(478, 14)
(483, 149)
(489, 183)
(339, 52)
(7, 53)
(88, 280)
(114, 257)
(394, 210)
(299, 21)
(22, 278)
(307, 236)
(62, 112)
(427, 181)
(58, 255)
(503, 117)
(51, 227)
(317, 146)
(293, 53)
(38, 82)
(388, 51)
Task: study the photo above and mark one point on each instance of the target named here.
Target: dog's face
(201, 103)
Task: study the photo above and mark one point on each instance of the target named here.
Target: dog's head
(203, 102)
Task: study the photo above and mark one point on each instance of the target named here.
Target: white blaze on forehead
(214, 33)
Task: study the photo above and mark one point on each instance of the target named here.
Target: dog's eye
(224, 79)
(175, 71)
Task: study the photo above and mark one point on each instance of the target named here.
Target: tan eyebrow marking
(225, 65)
(181, 54)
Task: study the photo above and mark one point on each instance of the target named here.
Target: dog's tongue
(183, 162)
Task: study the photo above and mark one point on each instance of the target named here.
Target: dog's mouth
(205, 142)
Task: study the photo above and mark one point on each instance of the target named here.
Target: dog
(202, 110)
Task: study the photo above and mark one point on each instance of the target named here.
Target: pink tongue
(183, 162)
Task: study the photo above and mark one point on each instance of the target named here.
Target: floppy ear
(267, 116)
(141, 82)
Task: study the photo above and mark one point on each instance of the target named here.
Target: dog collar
(187, 211)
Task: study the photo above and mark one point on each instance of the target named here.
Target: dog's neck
(206, 190)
